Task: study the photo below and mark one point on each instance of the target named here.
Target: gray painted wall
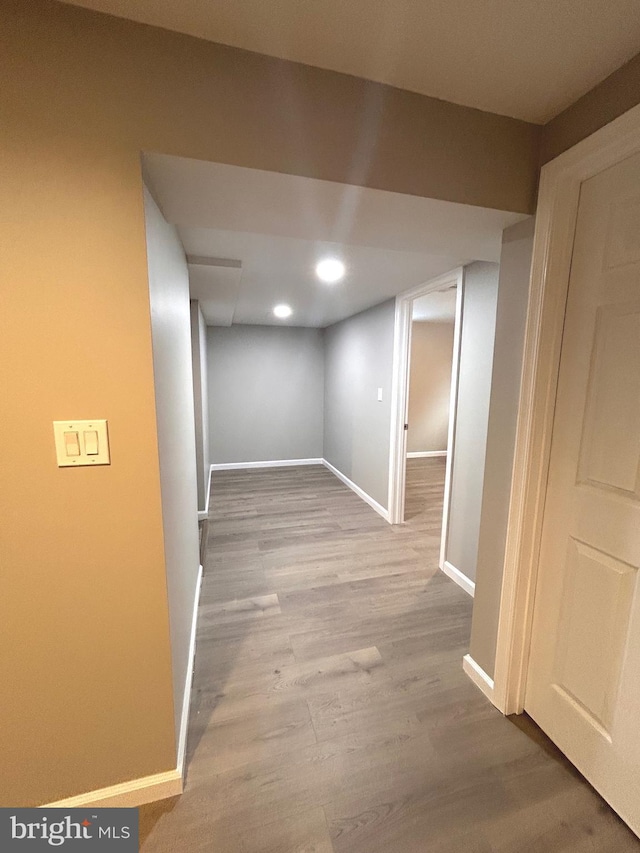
(200, 399)
(173, 383)
(429, 386)
(358, 361)
(265, 393)
(513, 290)
(480, 295)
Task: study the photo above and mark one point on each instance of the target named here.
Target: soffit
(528, 59)
(275, 227)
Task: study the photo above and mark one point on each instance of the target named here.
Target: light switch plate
(72, 444)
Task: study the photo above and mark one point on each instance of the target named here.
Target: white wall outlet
(379, 395)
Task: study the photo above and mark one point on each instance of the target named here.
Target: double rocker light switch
(81, 442)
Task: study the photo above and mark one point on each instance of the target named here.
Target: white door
(583, 683)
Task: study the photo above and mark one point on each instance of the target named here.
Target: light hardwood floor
(330, 713)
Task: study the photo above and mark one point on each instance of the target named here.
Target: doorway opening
(429, 403)
(307, 389)
(423, 415)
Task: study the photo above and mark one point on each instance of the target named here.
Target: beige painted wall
(429, 386)
(86, 664)
(614, 96)
(137, 87)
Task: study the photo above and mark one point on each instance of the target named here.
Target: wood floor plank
(249, 690)
(301, 833)
(236, 741)
(330, 712)
(238, 609)
(427, 810)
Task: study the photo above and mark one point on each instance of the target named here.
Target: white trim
(420, 454)
(478, 676)
(400, 386)
(355, 488)
(137, 792)
(461, 579)
(186, 700)
(204, 513)
(271, 463)
(453, 412)
(556, 217)
(399, 408)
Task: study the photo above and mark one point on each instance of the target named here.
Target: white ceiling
(281, 269)
(438, 307)
(523, 58)
(278, 226)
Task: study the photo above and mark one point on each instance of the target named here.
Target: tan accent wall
(429, 386)
(616, 94)
(86, 666)
(85, 657)
(147, 88)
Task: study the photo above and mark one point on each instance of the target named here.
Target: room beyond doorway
(440, 298)
(430, 404)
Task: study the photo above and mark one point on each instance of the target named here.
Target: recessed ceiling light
(282, 311)
(330, 270)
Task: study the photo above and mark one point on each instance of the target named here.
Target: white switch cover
(81, 443)
(379, 395)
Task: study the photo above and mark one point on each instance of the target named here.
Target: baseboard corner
(458, 577)
(382, 512)
(203, 514)
(137, 792)
(479, 677)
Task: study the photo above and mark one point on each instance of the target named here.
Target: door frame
(559, 193)
(400, 396)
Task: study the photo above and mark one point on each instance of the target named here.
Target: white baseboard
(457, 576)
(360, 492)
(272, 463)
(186, 701)
(204, 513)
(419, 454)
(478, 676)
(137, 792)
(147, 789)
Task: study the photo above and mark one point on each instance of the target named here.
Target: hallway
(329, 709)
